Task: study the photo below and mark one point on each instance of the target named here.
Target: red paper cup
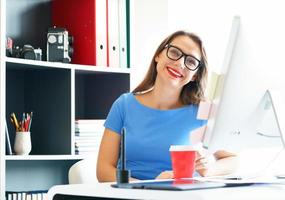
(183, 161)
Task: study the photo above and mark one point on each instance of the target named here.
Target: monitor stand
(276, 98)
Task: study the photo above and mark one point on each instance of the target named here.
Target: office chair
(83, 171)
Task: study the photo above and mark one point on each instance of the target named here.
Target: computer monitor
(242, 115)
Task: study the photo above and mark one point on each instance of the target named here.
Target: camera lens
(29, 55)
(28, 52)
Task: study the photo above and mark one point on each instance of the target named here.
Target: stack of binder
(88, 134)
(27, 195)
(99, 28)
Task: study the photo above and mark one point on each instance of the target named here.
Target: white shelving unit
(2, 100)
(57, 93)
(46, 157)
(87, 68)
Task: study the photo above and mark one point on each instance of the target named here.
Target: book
(90, 134)
(90, 121)
(89, 129)
(88, 138)
(87, 144)
(87, 148)
(27, 195)
(89, 125)
(86, 153)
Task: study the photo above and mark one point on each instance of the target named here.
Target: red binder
(79, 18)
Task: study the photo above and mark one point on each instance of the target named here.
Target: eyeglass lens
(175, 54)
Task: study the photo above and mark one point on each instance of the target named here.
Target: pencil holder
(22, 145)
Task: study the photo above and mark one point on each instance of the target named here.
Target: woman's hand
(165, 175)
(225, 163)
(202, 164)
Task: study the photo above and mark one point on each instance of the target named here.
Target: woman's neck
(163, 98)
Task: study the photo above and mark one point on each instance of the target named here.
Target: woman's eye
(175, 53)
(191, 62)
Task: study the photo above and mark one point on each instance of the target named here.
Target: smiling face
(174, 73)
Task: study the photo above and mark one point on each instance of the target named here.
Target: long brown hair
(193, 92)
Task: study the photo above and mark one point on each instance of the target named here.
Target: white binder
(123, 33)
(101, 32)
(113, 33)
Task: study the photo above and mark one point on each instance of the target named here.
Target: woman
(161, 112)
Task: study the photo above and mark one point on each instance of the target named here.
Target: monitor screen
(242, 115)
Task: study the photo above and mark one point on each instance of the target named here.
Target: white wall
(264, 20)
(257, 63)
(260, 50)
(211, 20)
(153, 20)
(149, 25)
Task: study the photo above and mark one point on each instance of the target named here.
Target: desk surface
(104, 190)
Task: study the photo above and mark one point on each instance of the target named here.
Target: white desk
(104, 190)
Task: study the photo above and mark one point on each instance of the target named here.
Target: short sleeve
(204, 122)
(115, 118)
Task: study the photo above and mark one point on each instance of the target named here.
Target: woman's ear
(156, 58)
(193, 77)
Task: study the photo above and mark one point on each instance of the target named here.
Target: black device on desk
(180, 184)
(123, 174)
(177, 184)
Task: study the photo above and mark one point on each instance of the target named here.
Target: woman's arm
(226, 163)
(108, 156)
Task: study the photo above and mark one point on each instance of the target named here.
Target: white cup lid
(181, 148)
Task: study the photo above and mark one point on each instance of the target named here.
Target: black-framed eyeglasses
(174, 53)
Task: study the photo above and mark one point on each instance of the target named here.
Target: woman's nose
(180, 62)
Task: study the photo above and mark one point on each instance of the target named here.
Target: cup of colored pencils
(22, 144)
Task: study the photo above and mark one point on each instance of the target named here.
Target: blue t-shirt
(150, 132)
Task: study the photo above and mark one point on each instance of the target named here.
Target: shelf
(37, 63)
(56, 92)
(18, 62)
(45, 157)
(29, 174)
(27, 90)
(96, 69)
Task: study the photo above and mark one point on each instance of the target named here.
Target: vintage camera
(59, 47)
(27, 52)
